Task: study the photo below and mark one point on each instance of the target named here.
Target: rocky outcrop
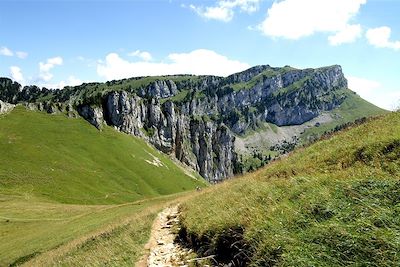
(54, 108)
(207, 147)
(92, 114)
(159, 89)
(5, 107)
(287, 98)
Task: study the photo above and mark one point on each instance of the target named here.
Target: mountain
(334, 203)
(217, 126)
(52, 157)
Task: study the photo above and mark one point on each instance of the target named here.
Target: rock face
(206, 146)
(195, 118)
(5, 107)
(94, 115)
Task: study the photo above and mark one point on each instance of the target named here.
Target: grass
(178, 98)
(353, 107)
(68, 161)
(96, 90)
(335, 203)
(292, 87)
(74, 196)
(52, 234)
(266, 74)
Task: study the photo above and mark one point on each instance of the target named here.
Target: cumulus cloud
(294, 19)
(16, 74)
(199, 62)
(71, 81)
(348, 34)
(380, 37)
(374, 92)
(46, 67)
(4, 51)
(146, 56)
(224, 10)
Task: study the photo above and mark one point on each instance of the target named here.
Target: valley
(184, 133)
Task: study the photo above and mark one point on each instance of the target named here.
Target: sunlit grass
(68, 160)
(74, 196)
(335, 203)
(46, 234)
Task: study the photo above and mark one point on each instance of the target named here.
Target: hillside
(66, 160)
(218, 126)
(257, 147)
(65, 185)
(334, 203)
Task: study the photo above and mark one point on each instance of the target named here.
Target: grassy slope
(69, 161)
(41, 233)
(335, 203)
(354, 107)
(52, 167)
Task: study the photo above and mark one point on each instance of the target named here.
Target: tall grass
(335, 203)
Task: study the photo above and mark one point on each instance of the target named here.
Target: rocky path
(163, 251)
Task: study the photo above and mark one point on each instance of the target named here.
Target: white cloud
(375, 92)
(21, 54)
(146, 56)
(347, 35)
(71, 81)
(16, 74)
(362, 86)
(4, 51)
(224, 10)
(379, 37)
(294, 19)
(199, 62)
(217, 13)
(45, 68)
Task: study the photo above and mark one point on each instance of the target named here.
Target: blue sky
(57, 43)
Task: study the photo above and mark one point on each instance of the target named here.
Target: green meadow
(66, 185)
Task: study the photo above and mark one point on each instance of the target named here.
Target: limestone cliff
(5, 107)
(196, 118)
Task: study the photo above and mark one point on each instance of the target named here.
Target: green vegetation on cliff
(335, 203)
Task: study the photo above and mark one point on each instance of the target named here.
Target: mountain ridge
(198, 118)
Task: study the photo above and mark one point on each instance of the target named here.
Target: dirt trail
(161, 248)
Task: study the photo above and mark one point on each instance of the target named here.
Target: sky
(67, 42)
